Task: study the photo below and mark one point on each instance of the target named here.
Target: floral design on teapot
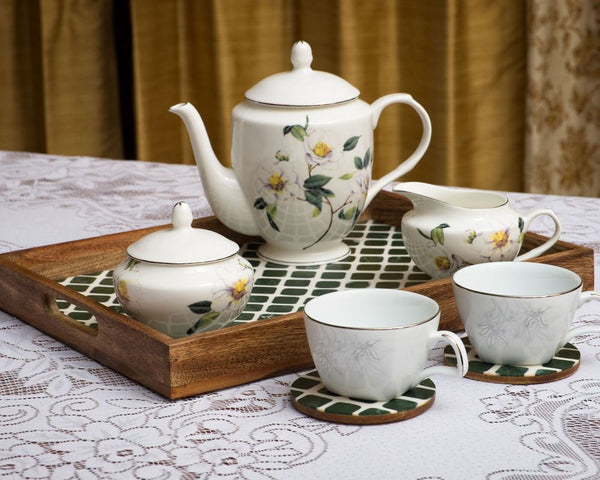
(280, 182)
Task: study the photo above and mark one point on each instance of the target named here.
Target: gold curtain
(512, 87)
(463, 60)
(58, 78)
(563, 98)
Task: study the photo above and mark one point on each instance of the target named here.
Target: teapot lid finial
(302, 86)
(301, 55)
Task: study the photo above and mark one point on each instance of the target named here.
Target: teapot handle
(407, 165)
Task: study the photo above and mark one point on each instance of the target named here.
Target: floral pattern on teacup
(348, 356)
(507, 322)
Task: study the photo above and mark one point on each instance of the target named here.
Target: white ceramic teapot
(302, 155)
(183, 280)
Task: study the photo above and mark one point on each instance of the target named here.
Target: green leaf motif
(314, 198)
(471, 237)
(316, 181)
(272, 210)
(347, 176)
(350, 213)
(358, 163)
(210, 316)
(521, 224)
(437, 234)
(271, 213)
(367, 158)
(351, 143)
(326, 192)
(287, 129)
(260, 203)
(298, 132)
(200, 308)
(282, 157)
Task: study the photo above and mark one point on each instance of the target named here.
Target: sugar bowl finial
(182, 215)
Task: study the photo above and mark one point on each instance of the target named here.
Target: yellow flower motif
(442, 263)
(321, 149)
(277, 182)
(239, 289)
(500, 239)
(123, 291)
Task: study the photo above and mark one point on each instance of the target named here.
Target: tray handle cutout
(52, 302)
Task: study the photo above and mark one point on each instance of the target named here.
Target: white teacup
(519, 313)
(372, 344)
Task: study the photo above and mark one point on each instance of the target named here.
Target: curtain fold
(59, 86)
(462, 60)
(563, 98)
(512, 87)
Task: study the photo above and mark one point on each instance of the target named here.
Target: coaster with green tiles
(564, 363)
(377, 259)
(310, 397)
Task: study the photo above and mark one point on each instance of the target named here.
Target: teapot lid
(302, 86)
(182, 244)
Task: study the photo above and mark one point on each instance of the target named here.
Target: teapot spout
(221, 186)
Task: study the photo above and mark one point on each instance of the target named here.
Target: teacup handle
(407, 165)
(584, 329)
(548, 243)
(462, 359)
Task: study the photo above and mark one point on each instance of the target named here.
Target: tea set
(302, 155)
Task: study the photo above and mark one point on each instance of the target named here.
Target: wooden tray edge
(209, 361)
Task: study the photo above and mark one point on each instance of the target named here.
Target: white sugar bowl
(183, 280)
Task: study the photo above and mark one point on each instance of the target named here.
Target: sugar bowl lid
(182, 244)
(302, 86)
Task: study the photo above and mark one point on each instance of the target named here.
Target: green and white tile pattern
(566, 358)
(378, 259)
(308, 390)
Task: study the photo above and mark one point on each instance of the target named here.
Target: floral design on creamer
(323, 152)
(497, 245)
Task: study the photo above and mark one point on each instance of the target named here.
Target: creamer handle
(548, 243)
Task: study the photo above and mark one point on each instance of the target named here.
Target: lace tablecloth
(62, 415)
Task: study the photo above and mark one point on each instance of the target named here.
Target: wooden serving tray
(182, 367)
